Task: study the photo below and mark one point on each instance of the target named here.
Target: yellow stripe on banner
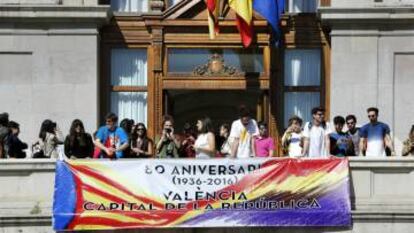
(91, 227)
(244, 8)
(107, 188)
(108, 215)
(106, 171)
(300, 184)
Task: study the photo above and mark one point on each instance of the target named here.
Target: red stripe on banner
(103, 194)
(86, 170)
(79, 201)
(246, 31)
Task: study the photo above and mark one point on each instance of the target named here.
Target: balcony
(382, 197)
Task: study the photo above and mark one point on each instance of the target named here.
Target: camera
(168, 130)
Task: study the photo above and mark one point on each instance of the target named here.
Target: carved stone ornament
(215, 67)
(157, 5)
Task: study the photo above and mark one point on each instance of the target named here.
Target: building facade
(67, 59)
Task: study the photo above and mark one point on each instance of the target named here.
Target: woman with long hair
(141, 145)
(49, 139)
(225, 148)
(78, 144)
(205, 145)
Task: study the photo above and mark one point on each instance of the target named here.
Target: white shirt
(317, 139)
(245, 136)
(295, 150)
(201, 142)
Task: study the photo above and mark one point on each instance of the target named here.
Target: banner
(151, 193)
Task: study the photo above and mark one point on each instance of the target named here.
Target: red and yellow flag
(213, 8)
(244, 11)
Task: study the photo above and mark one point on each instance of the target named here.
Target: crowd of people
(244, 138)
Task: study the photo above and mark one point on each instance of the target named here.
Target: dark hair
(351, 117)
(317, 109)
(111, 116)
(4, 119)
(339, 120)
(166, 118)
(295, 118)
(134, 136)
(207, 126)
(126, 124)
(188, 129)
(244, 111)
(262, 123)
(373, 109)
(48, 126)
(73, 133)
(226, 126)
(13, 124)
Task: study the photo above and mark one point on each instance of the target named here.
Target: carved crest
(215, 67)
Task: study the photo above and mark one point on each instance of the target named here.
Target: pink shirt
(263, 146)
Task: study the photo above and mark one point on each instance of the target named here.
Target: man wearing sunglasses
(316, 135)
(353, 132)
(375, 136)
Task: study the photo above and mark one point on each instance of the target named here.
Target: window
(302, 82)
(244, 60)
(301, 6)
(133, 6)
(129, 84)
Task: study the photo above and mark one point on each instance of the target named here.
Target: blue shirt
(114, 139)
(374, 133)
(340, 144)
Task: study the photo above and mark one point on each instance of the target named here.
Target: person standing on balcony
(375, 136)
(225, 148)
(168, 144)
(4, 132)
(408, 145)
(111, 139)
(292, 140)
(316, 135)
(141, 145)
(353, 131)
(205, 144)
(15, 145)
(78, 144)
(341, 143)
(242, 134)
(49, 138)
(264, 145)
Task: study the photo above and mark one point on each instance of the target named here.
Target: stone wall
(49, 65)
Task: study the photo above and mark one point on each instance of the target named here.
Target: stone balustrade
(382, 197)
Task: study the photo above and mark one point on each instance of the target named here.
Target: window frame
(321, 89)
(120, 88)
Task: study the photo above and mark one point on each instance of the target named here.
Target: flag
(244, 11)
(272, 11)
(213, 9)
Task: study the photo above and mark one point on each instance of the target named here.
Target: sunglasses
(371, 116)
